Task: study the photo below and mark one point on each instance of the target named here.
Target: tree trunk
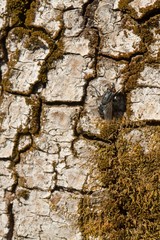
(79, 119)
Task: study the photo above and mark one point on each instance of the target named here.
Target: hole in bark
(119, 105)
(37, 88)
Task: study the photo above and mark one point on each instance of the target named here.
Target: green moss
(6, 83)
(34, 43)
(21, 182)
(134, 69)
(35, 114)
(154, 7)
(123, 4)
(131, 73)
(3, 113)
(93, 222)
(92, 36)
(144, 31)
(33, 40)
(125, 7)
(105, 157)
(30, 14)
(30, 17)
(36, 40)
(16, 11)
(108, 129)
(19, 34)
(56, 52)
(129, 206)
(148, 37)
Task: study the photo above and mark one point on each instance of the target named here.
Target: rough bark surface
(66, 173)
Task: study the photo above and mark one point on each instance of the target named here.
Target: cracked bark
(67, 173)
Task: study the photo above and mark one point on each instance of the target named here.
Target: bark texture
(66, 173)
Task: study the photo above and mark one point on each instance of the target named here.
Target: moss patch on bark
(128, 207)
